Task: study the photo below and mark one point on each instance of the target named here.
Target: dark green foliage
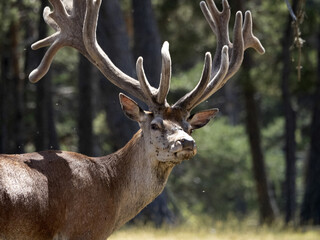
(218, 180)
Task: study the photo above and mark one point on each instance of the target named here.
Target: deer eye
(155, 126)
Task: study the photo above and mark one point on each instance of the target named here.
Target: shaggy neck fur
(140, 177)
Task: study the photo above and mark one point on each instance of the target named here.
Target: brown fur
(65, 195)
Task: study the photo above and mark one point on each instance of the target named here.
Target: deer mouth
(185, 154)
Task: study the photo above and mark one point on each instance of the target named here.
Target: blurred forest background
(261, 155)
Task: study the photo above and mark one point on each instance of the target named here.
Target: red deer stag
(66, 195)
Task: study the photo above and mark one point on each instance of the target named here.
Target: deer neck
(141, 178)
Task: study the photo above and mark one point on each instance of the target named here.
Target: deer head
(167, 128)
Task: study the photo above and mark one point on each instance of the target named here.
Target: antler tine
(219, 23)
(156, 98)
(237, 48)
(66, 27)
(189, 100)
(59, 12)
(45, 64)
(165, 79)
(216, 81)
(251, 41)
(144, 84)
(51, 22)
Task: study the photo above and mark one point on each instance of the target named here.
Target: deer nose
(188, 144)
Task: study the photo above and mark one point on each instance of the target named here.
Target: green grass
(186, 234)
(220, 231)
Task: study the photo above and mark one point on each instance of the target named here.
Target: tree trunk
(267, 205)
(231, 103)
(85, 107)
(147, 39)
(3, 101)
(310, 209)
(11, 93)
(4, 96)
(290, 124)
(46, 136)
(113, 38)
(18, 89)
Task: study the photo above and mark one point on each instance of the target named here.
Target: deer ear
(200, 119)
(130, 108)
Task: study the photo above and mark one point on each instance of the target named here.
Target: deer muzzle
(184, 148)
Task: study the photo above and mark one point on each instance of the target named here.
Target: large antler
(223, 67)
(76, 27)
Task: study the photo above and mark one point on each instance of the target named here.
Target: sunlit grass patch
(186, 234)
(161, 234)
(232, 230)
